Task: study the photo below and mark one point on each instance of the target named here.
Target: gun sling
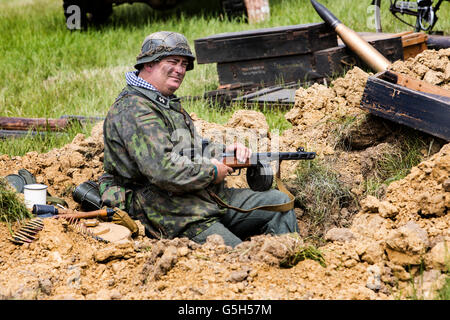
(282, 207)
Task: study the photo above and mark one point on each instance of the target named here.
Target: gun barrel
(230, 158)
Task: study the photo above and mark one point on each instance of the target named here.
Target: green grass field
(49, 71)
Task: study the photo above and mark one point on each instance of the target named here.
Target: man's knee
(276, 196)
(229, 238)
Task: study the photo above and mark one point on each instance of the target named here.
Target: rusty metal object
(79, 226)
(17, 123)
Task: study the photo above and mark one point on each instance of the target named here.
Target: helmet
(162, 44)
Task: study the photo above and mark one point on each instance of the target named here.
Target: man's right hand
(222, 170)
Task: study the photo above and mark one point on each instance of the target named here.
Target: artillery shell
(16, 241)
(26, 235)
(19, 237)
(29, 230)
(35, 223)
(39, 223)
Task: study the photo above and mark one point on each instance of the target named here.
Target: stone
(370, 204)
(387, 210)
(440, 256)
(374, 279)
(339, 234)
(111, 232)
(238, 276)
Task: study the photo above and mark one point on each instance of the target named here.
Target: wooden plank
(264, 43)
(419, 110)
(413, 44)
(415, 84)
(414, 38)
(18, 123)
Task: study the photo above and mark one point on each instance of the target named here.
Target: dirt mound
(388, 243)
(431, 66)
(65, 168)
(391, 241)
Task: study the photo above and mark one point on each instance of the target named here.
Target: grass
(303, 253)
(321, 195)
(48, 71)
(444, 292)
(397, 164)
(11, 207)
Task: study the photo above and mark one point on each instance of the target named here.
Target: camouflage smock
(144, 134)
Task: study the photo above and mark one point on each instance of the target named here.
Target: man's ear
(148, 66)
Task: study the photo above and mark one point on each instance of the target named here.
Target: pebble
(238, 276)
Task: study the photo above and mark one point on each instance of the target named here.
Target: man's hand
(222, 170)
(242, 152)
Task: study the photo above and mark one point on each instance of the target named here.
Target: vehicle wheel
(234, 8)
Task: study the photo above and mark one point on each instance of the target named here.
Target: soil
(390, 239)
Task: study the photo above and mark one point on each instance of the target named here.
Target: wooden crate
(303, 68)
(269, 71)
(333, 61)
(264, 43)
(413, 43)
(410, 102)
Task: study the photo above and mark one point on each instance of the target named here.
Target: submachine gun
(259, 171)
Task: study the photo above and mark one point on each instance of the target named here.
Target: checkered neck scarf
(133, 79)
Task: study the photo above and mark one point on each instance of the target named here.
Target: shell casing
(371, 56)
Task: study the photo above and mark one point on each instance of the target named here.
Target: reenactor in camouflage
(156, 168)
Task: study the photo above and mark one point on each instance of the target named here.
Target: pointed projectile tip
(325, 14)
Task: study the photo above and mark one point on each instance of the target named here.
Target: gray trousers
(234, 227)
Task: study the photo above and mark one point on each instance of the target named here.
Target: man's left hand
(242, 152)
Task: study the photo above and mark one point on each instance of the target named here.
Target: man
(154, 164)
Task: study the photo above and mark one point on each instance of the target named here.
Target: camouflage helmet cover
(162, 44)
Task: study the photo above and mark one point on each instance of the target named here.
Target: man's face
(167, 74)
